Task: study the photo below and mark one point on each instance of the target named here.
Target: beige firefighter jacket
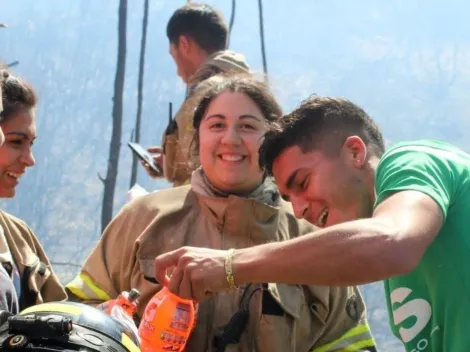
(178, 161)
(20, 247)
(282, 318)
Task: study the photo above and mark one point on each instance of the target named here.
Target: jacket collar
(254, 214)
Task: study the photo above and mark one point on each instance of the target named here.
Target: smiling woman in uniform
(21, 254)
(229, 204)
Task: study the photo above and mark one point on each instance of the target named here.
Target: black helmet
(65, 326)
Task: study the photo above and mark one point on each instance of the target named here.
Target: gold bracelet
(228, 269)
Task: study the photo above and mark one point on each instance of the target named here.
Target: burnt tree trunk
(115, 144)
(140, 86)
(232, 20)
(261, 35)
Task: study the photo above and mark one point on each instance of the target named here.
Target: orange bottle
(167, 322)
(126, 300)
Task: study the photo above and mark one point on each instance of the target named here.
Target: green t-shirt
(429, 308)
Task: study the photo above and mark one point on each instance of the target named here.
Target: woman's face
(15, 153)
(230, 135)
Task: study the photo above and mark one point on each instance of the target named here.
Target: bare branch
(232, 17)
(14, 63)
(140, 88)
(261, 35)
(101, 177)
(117, 114)
(133, 135)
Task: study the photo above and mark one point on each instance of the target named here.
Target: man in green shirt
(402, 216)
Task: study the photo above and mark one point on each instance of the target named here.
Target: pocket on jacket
(280, 310)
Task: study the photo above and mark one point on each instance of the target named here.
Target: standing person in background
(198, 38)
(22, 258)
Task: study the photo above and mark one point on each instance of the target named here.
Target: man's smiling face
(324, 190)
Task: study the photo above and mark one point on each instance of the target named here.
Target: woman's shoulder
(166, 200)
(10, 221)
(18, 231)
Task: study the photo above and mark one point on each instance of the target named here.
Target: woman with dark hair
(229, 204)
(21, 254)
(8, 299)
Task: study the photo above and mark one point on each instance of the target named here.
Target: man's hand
(157, 158)
(195, 272)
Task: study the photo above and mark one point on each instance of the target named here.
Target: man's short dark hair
(201, 22)
(320, 123)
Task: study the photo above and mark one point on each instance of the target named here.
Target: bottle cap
(133, 294)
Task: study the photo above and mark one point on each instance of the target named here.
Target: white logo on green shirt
(418, 308)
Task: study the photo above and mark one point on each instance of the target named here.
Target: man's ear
(354, 151)
(184, 44)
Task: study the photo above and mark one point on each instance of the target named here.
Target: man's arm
(414, 192)
(390, 243)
